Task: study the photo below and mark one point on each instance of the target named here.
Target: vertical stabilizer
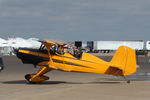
(123, 63)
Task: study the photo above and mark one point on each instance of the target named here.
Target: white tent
(6, 46)
(3, 42)
(20, 42)
(35, 42)
(26, 43)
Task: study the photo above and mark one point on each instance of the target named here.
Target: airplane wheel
(128, 81)
(27, 77)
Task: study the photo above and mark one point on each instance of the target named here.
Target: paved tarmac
(71, 85)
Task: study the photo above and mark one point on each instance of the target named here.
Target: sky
(76, 19)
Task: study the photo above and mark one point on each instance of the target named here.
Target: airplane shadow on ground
(57, 82)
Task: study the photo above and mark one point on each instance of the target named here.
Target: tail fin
(123, 63)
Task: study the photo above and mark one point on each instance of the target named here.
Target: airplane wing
(53, 41)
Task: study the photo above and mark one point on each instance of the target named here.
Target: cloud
(76, 19)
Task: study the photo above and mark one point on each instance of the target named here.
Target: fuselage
(65, 61)
(123, 63)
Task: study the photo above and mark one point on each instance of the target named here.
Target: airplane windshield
(42, 47)
(55, 49)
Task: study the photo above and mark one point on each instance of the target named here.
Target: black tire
(128, 81)
(27, 77)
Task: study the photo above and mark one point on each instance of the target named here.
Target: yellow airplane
(51, 55)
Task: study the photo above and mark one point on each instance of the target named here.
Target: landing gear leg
(128, 81)
(39, 76)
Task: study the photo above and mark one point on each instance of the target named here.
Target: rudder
(123, 63)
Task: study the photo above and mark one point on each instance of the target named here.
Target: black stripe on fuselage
(77, 59)
(69, 63)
